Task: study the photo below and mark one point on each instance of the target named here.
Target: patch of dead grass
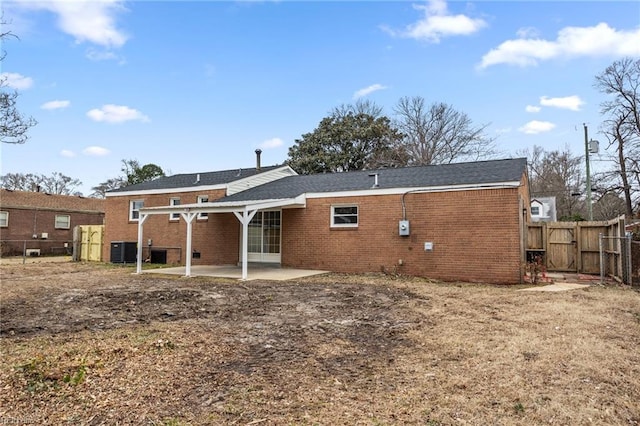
(334, 349)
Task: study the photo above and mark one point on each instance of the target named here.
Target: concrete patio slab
(255, 272)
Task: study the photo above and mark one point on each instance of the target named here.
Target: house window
(134, 209)
(4, 219)
(535, 210)
(203, 199)
(344, 216)
(63, 221)
(174, 202)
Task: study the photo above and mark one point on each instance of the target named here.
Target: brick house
(43, 223)
(462, 221)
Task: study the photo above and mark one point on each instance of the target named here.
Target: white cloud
(55, 105)
(67, 153)
(86, 21)
(568, 102)
(103, 55)
(534, 127)
(437, 23)
(528, 32)
(368, 90)
(116, 114)
(599, 40)
(532, 108)
(95, 151)
(16, 81)
(272, 143)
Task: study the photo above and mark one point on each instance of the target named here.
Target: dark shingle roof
(42, 200)
(476, 173)
(191, 179)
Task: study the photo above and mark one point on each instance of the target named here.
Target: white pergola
(243, 210)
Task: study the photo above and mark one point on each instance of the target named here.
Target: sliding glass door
(264, 237)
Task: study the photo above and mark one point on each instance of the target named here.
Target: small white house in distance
(543, 209)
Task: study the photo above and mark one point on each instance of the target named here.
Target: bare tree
(360, 107)
(19, 181)
(440, 134)
(13, 124)
(100, 191)
(608, 206)
(621, 80)
(132, 173)
(557, 174)
(57, 183)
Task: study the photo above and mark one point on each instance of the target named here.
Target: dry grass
(91, 344)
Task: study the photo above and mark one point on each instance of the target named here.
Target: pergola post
(245, 217)
(188, 217)
(141, 219)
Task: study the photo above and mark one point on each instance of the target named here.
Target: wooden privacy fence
(87, 243)
(570, 246)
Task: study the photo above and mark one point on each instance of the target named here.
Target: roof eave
(228, 206)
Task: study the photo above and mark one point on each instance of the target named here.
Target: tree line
(57, 183)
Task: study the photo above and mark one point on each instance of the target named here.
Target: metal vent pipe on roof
(258, 152)
(375, 180)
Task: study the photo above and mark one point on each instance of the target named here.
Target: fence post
(628, 259)
(76, 246)
(601, 247)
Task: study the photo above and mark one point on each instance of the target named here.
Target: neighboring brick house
(43, 223)
(462, 221)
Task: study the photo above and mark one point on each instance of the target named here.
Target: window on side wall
(344, 216)
(134, 209)
(63, 221)
(535, 210)
(174, 202)
(4, 219)
(203, 199)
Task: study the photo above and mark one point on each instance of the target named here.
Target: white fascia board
(227, 207)
(202, 188)
(268, 172)
(403, 190)
(258, 179)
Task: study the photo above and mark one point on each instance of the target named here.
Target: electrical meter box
(403, 228)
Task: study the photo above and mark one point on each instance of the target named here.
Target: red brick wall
(24, 223)
(475, 236)
(216, 238)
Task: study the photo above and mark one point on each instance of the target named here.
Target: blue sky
(198, 86)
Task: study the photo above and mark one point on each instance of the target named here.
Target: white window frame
(344, 225)
(133, 211)
(537, 210)
(4, 219)
(174, 201)
(203, 199)
(59, 225)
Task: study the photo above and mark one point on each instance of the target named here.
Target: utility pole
(586, 156)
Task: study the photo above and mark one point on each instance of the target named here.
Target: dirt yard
(97, 345)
